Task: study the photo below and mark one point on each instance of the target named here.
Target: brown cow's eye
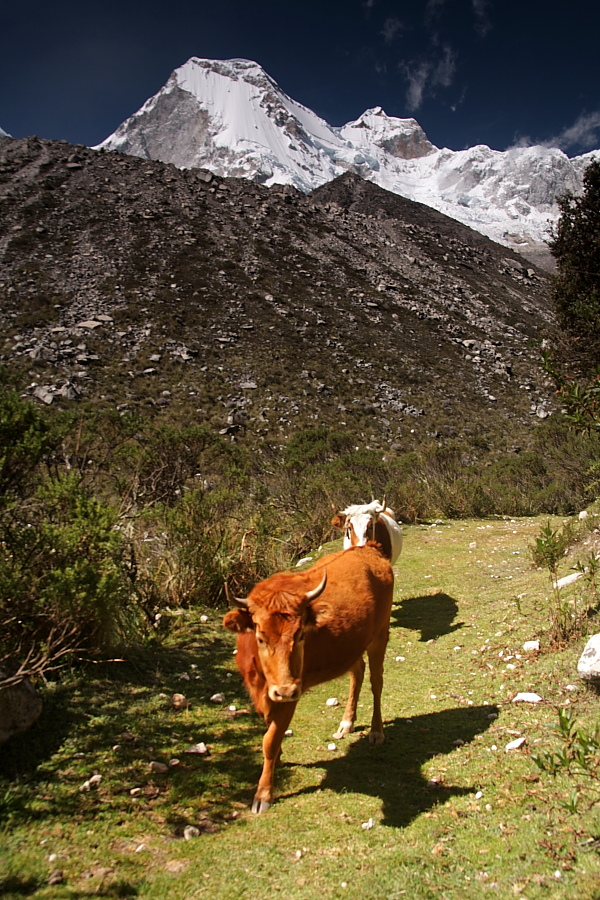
(261, 641)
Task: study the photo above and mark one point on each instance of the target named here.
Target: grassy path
(441, 810)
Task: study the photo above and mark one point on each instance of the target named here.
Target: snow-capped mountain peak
(402, 138)
(231, 117)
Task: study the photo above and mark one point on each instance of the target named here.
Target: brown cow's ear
(338, 521)
(238, 620)
(315, 618)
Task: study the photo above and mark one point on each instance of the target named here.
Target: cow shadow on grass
(393, 771)
(432, 615)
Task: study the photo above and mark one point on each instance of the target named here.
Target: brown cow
(300, 629)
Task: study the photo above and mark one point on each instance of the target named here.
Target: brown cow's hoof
(260, 806)
(345, 728)
(376, 737)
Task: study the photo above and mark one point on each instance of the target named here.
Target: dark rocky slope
(131, 283)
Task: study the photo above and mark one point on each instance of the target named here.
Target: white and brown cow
(370, 522)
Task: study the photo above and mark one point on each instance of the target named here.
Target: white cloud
(391, 27)
(584, 132)
(483, 24)
(426, 76)
(417, 82)
(443, 74)
(432, 8)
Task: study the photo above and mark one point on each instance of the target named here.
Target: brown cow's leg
(357, 674)
(376, 653)
(280, 716)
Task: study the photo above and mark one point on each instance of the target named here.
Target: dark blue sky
(497, 72)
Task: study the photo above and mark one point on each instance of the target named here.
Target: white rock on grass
(217, 698)
(526, 697)
(305, 559)
(531, 646)
(568, 579)
(588, 667)
(333, 701)
(158, 767)
(92, 782)
(515, 745)
(200, 749)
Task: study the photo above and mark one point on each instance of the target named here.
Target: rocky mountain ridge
(258, 311)
(232, 118)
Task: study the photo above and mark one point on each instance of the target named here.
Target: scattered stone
(179, 701)
(588, 667)
(158, 768)
(367, 825)
(217, 698)
(526, 697)
(89, 324)
(515, 745)
(333, 701)
(568, 579)
(56, 877)
(190, 832)
(531, 646)
(44, 393)
(92, 782)
(305, 559)
(332, 746)
(200, 749)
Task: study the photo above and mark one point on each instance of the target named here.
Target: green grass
(453, 814)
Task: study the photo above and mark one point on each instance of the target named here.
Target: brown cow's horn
(234, 601)
(312, 595)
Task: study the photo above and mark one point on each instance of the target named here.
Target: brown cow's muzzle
(284, 693)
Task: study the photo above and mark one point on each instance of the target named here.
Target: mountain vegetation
(197, 370)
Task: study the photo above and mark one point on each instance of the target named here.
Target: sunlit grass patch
(442, 808)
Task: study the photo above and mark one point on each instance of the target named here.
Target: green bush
(25, 438)
(64, 571)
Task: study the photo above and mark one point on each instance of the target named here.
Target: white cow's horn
(312, 595)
